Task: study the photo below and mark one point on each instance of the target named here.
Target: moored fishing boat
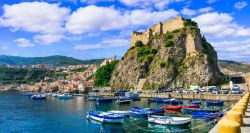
(206, 115)
(190, 106)
(191, 110)
(139, 114)
(123, 101)
(104, 100)
(196, 102)
(125, 113)
(65, 96)
(105, 117)
(39, 97)
(166, 120)
(155, 111)
(175, 102)
(55, 95)
(175, 108)
(215, 103)
(27, 94)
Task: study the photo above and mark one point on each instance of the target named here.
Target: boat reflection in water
(106, 127)
(166, 128)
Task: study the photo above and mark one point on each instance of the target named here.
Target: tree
(104, 73)
(138, 43)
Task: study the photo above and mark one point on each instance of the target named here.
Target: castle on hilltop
(193, 43)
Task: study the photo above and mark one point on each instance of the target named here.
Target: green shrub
(169, 43)
(153, 51)
(162, 64)
(138, 43)
(169, 36)
(150, 57)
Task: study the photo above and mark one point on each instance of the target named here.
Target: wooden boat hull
(214, 103)
(169, 120)
(106, 119)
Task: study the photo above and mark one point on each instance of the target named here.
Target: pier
(245, 126)
(194, 96)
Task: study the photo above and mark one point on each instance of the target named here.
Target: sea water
(20, 114)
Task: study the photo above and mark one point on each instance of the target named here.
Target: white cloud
(22, 42)
(95, 1)
(188, 12)
(108, 43)
(94, 19)
(220, 25)
(205, 9)
(146, 17)
(158, 4)
(240, 5)
(108, 18)
(37, 17)
(212, 1)
(233, 50)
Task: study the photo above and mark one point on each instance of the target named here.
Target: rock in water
(171, 53)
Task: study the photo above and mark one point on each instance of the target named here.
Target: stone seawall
(225, 97)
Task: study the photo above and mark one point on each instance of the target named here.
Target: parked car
(236, 90)
(185, 91)
(179, 91)
(202, 90)
(225, 90)
(216, 91)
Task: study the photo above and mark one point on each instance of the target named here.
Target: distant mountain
(233, 67)
(56, 60)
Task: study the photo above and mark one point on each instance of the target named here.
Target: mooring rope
(208, 123)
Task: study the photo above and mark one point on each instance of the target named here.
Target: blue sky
(88, 29)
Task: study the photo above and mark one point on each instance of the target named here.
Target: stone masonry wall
(159, 28)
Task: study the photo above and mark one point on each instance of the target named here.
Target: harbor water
(20, 114)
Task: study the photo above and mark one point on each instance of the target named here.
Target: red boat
(190, 106)
(175, 108)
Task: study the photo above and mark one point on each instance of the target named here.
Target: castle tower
(193, 43)
(159, 28)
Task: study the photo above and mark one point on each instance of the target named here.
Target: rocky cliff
(178, 58)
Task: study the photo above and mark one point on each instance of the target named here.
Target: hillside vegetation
(56, 60)
(234, 66)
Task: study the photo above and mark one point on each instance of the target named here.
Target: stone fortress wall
(193, 43)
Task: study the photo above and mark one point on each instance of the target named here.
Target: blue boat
(155, 110)
(196, 102)
(214, 103)
(27, 94)
(176, 102)
(105, 117)
(137, 108)
(206, 115)
(197, 110)
(139, 114)
(148, 110)
(104, 100)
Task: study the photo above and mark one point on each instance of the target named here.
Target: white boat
(55, 95)
(125, 113)
(123, 101)
(39, 97)
(65, 96)
(166, 120)
(105, 117)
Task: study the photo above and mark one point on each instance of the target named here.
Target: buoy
(239, 108)
(235, 116)
(228, 126)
